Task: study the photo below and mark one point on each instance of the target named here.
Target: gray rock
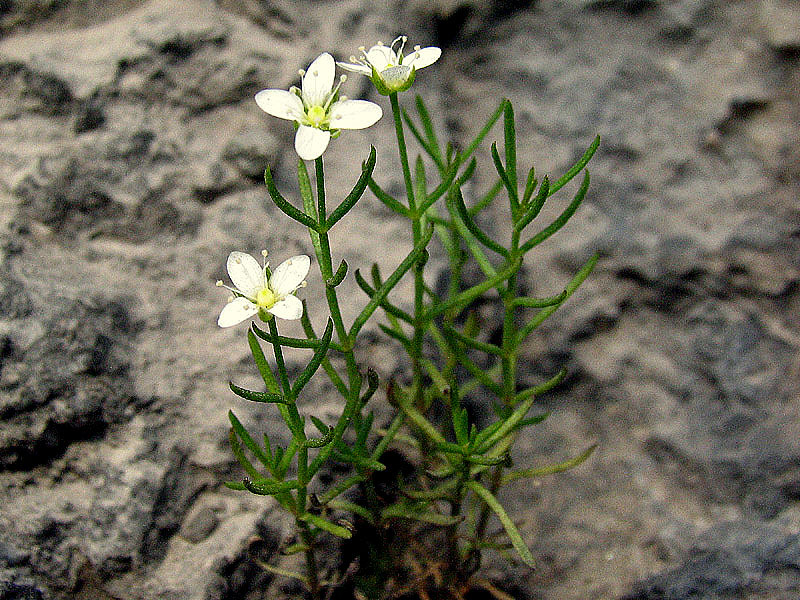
(732, 560)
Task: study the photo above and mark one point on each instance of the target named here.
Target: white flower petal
(245, 273)
(311, 142)
(318, 80)
(236, 311)
(289, 275)
(289, 308)
(422, 58)
(354, 114)
(281, 104)
(354, 68)
(381, 57)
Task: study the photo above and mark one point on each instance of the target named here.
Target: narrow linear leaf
(356, 193)
(501, 170)
(385, 305)
(549, 469)
(530, 185)
(294, 549)
(242, 459)
(390, 202)
(437, 193)
(546, 312)
(282, 572)
(422, 141)
(326, 525)
(577, 167)
(339, 276)
(536, 206)
(473, 227)
(510, 138)
(483, 132)
(398, 511)
(542, 387)
(473, 343)
(505, 520)
(388, 285)
(341, 487)
(248, 441)
(539, 302)
(562, 219)
(337, 381)
(261, 362)
(256, 396)
(269, 487)
(353, 508)
(485, 441)
(427, 124)
(470, 294)
(287, 208)
(316, 360)
(373, 381)
(487, 198)
(289, 342)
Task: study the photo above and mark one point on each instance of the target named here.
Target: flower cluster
(318, 110)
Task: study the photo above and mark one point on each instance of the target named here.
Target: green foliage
(462, 467)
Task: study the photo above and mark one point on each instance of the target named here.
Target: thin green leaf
(576, 168)
(530, 185)
(487, 198)
(257, 396)
(510, 138)
(535, 207)
(356, 193)
(501, 170)
(308, 329)
(399, 511)
(295, 549)
(326, 525)
(561, 220)
(342, 486)
(388, 285)
(482, 133)
(485, 441)
(471, 294)
(430, 131)
(315, 362)
(248, 441)
(290, 342)
(549, 469)
(261, 362)
(390, 202)
(570, 289)
(421, 140)
(238, 452)
(505, 520)
(339, 276)
(542, 387)
(372, 385)
(473, 227)
(269, 487)
(385, 305)
(473, 343)
(287, 208)
(539, 302)
(353, 508)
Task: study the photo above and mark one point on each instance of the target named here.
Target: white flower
(318, 109)
(389, 70)
(256, 290)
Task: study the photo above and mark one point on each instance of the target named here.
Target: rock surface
(132, 163)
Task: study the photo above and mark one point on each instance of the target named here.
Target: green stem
(416, 233)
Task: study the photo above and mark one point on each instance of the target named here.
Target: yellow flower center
(265, 298)
(317, 115)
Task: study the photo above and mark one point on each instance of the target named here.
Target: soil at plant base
(132, 164)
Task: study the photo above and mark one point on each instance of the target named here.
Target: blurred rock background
(131, 164)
